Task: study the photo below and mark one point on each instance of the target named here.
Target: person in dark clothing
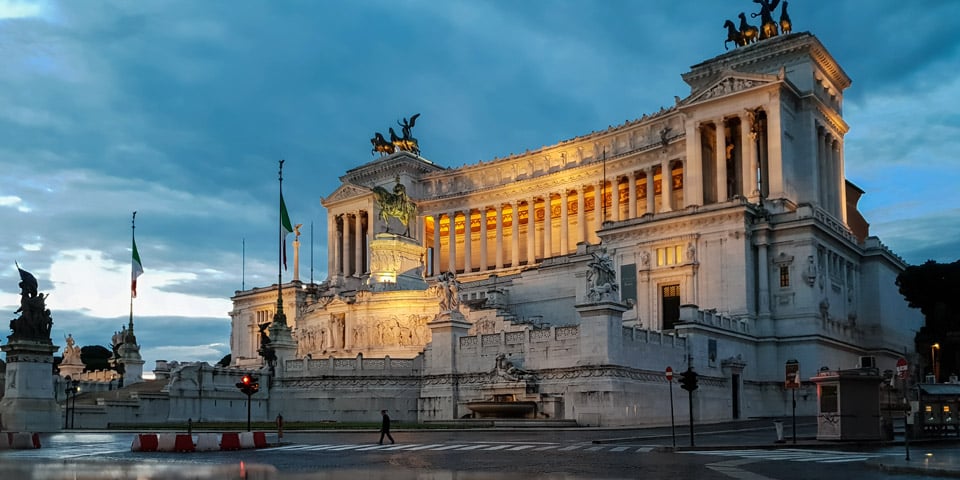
(385, 427)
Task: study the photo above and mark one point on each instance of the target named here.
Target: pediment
(345, 192)
(729, 83)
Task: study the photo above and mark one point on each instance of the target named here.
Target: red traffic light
(246, 380)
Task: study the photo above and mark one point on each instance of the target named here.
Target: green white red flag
(136, 269)
(286, 228)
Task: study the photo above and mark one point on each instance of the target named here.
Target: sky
(180, 110)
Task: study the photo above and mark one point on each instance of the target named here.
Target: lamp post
(933, 359)
(73, 389)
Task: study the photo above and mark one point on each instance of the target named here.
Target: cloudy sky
(180, 110)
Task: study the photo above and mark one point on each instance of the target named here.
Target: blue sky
(181, 109)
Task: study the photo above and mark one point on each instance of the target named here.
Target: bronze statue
(35, 321)
(785, 26)
(768, 28)
(396, 205)
(747, 31)
(407, 126)
(381, 145)
(732, 35)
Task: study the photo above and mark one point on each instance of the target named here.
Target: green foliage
(225, 361)
(934, 289)
(95, 357)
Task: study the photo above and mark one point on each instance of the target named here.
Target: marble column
(467, 242)
(436, 244)
(632, 195)
(564, 224)
(821, 168)
(598, 209)
(651, 190)
(693, 168)
(332, 242)
(499, 236)
(615, 198)
(749, 177)
(347, 244)
(452, 243)
(547, 226)
(666, 188)
(721, 162)
(514, 233)
(358, 247)
(531, 231)
(483, 239)
(581, 215)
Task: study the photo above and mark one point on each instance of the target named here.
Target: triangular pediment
(345, 192)
(729, 83)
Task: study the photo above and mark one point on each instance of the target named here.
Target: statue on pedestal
(602, 278)
(35, 321)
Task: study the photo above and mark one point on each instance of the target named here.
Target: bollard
(778, 424)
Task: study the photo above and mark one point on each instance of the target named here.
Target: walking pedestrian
(385, 427)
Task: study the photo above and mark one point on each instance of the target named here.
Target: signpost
(673, 427)
(792, 383)
(903, 372)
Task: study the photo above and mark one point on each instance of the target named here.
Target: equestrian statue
(395, 205)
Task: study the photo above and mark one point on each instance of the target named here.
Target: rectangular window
(672, 255)
(670, 299)
(661, 259)
(628, 282)
(784, 276)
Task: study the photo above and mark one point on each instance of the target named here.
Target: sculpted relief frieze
(337, 334)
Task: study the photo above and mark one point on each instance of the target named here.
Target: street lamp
(933, 359)
(72, 391)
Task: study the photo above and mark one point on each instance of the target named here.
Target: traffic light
(688, 380)
(248, 384)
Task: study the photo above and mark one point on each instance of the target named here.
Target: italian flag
(136, 269)
(286, 228)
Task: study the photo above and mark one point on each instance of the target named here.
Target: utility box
(848, 404)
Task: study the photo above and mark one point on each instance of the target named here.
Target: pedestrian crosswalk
(794, 455)
(464, 446)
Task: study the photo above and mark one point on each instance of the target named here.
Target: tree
(225, 361)
(95, 357)
(934, 289)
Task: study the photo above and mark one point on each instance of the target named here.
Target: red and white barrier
(24, 440)
(207, 442)
(145, 443)
(230, 441)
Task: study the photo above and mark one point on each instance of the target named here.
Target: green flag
(286, 228)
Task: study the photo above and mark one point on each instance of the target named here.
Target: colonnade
(349, 235)
(830, 179)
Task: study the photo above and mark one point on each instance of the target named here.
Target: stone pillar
(332, 242)
(338, 246)
(296, 258)
(763, 277)
(615, 198)
(358, 245)
(666, 187)
(446, 330)
(347, 245)
(598, 213)
(776, 187)
(721, 162)
(499, 236)
(531, 231)
(467, 241)
(452, 243)
(821, 168)
(632, 194)
(564, 224)
(651, 191)
(581, 215)
(514, 234)
(547, 226)
(436, 245)
(601, 333)
(483, 239)
(693, 169)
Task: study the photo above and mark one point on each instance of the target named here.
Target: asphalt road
(723, 452)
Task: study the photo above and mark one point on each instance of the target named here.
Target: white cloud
(84, 280)
(24, 9)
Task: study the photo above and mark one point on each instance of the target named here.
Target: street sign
(903, 369)
(669, 374)
(792, 377)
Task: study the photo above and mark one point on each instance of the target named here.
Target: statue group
(747, 34)
(396, 143)
(602, 278)
(35, 321)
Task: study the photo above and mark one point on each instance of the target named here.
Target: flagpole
(133, 240)
(311, 252)
(279, 316)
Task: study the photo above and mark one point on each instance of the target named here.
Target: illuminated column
(547, 226)
(693, 168)
(358, 249)
(483, 239)
(650, 189)
(564, 224)
(581, 214)
(531, 231)
(436, 244)
(598, 194)
(452, 242)
(347, 245)
(467, 241)
(666, 186)
(615, 198)
(514, 234)
(332, 267)
(746, 159)
(721, 160)
(632, 193)
(499, 236)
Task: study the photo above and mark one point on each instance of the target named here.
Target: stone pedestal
(132, 363)
(601, 333)
(441, 359)
(396, 263)
(28, 404)
(283, 345)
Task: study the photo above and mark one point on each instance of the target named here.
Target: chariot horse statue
(395, 205)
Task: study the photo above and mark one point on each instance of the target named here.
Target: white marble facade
(732, 228)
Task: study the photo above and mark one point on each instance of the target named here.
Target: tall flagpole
(311, 252)
(133, 240)
(280, 317)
